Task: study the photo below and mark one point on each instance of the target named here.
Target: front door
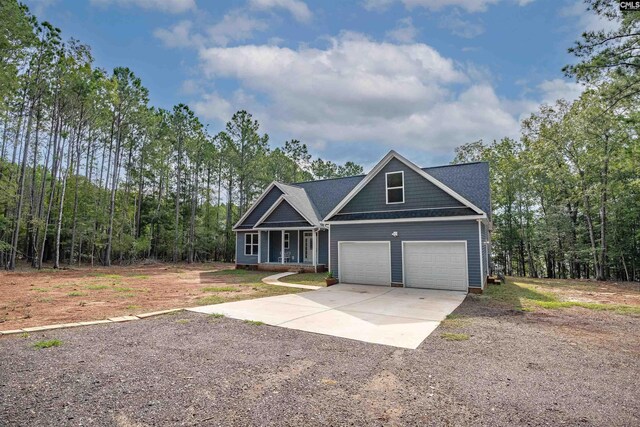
(307, 251)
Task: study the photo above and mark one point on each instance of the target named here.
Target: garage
(435, 265)
(367, 263)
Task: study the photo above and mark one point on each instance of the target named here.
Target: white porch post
(282, 246)
(298, 247)
(259, 245)
(268, 245)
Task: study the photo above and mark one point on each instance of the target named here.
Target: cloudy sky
(350, 79)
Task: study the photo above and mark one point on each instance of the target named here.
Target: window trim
(251, 244)
(387, 188)
(287, 240)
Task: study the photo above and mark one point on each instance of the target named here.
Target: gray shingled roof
(470, 180)
(297, 197)
(421, 213)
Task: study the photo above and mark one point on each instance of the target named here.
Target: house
(398, 225)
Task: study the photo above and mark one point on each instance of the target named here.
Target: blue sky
(351, 79)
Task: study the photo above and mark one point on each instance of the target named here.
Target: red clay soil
(34, 298)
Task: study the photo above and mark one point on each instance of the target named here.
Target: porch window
(395, 187)
(286, 240)
(251, 244)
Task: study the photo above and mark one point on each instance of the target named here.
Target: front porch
(297, 249)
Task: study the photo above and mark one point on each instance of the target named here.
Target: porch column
(282, 246)
(268, 246)
(259, 245)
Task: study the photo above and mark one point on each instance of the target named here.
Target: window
(395, 187)
(251, 244)
(286, 240)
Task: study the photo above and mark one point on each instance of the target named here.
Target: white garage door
(435, 265)
(367, 263)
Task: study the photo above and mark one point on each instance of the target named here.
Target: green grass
(220, 289)
(618, 308)
(216, 315)
(254, 322)
(183, 321)
(455, 321)
(40, 289)
(133, 307)
(449, 336)
(211, 299)
(138, 276)
(97, 287)
(45, 299)
(76, 294)
(313, 279)
(108, 276)
(46, 344)
(122, 289)
(532, 294)
(24, 335)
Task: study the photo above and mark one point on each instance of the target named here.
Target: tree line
(566, 194)
(90, 172)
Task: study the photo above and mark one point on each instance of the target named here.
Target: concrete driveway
(398, 317)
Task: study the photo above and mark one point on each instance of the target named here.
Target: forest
(90, 173)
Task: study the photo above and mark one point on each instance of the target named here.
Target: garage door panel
(435, 265)
(366, 263)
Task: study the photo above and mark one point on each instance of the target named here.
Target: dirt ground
(536, 368)
(35, 298)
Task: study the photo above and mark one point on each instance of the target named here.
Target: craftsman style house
(399, 225)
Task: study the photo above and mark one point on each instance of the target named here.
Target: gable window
(251, 244)
(286, 240)
(395, 187)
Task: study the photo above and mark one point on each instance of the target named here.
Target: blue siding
(485, 251)
(241, 258)
(418, 193)
(283, 213)
(263, 207)
(445, 230)
(323, 247)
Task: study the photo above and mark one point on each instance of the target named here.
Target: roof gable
(282, 212)
(392, 155)
(419, 193)
(270, 195)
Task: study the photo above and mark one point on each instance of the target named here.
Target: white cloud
(179, 35)
(297, 8)
(405, 32)
(235, 26)
(587, 20)
(169, 6)
(552, 90)
(359, 90)
(461, 27)
(467, 5)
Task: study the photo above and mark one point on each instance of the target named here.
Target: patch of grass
(313, 279)
(621, 309)
(122, 289)
(46, 344)
(133, 307)
(449, 336)
(138, 276)
(24, 335)
(211, 299)
(97, 287)
(183, 321)
(45, 299)
(216, 315)
(127, 295)
(220, 289)
(40, 289)
(254, 322)
(76, 294)
(455, 321)
(108, 276)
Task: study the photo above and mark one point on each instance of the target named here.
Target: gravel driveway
(571, 367)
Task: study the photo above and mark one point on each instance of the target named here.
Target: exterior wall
(263, 207)
(283, 213)
(323, 247)
(485, 250)
(264, 246)
(418, 193)
(275, 239)
(408, 231)
(241, 258)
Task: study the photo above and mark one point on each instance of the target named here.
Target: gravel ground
(567, 367)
